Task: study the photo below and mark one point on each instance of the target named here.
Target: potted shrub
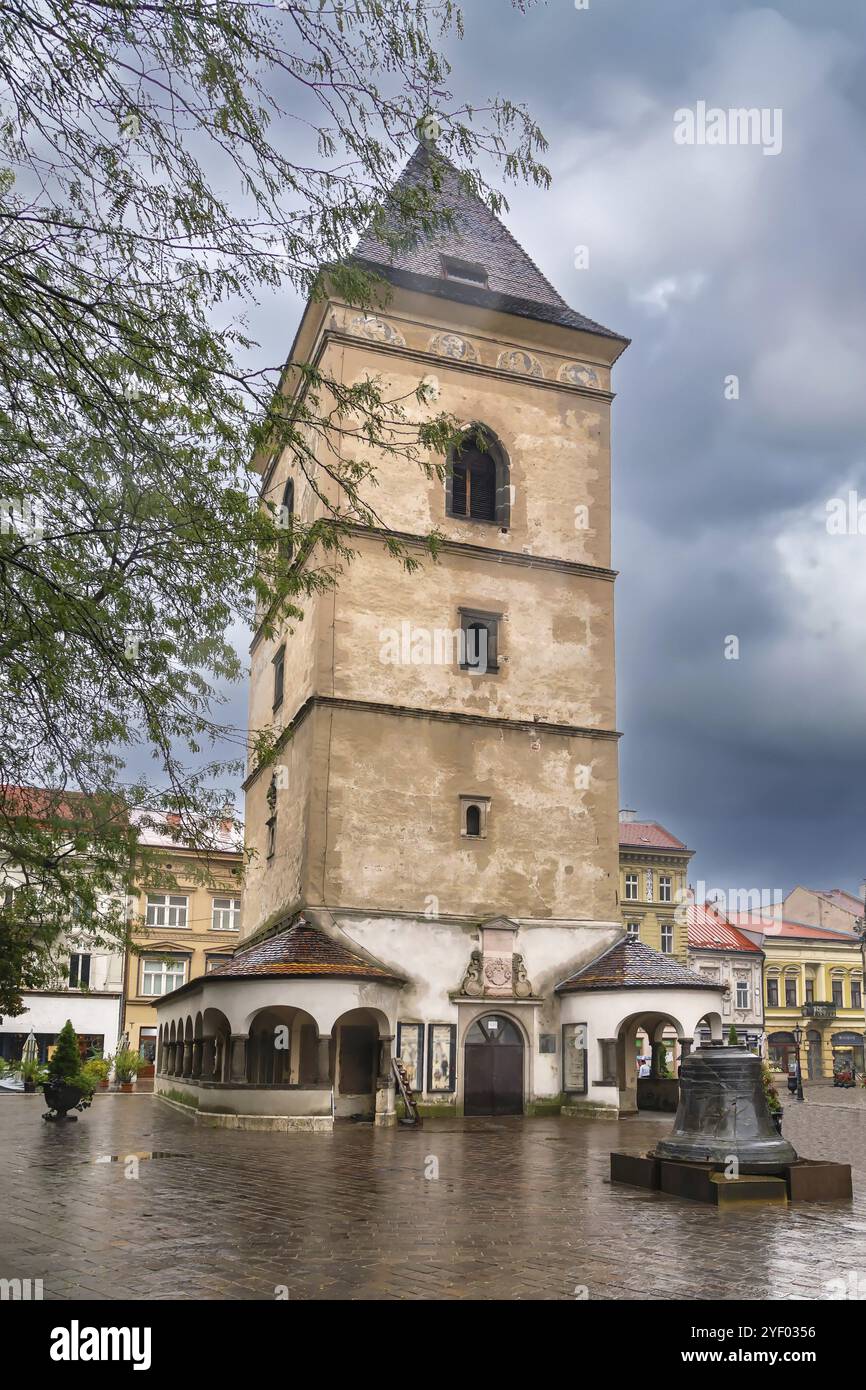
(96, 1069)
(127, 1065)
(65, 1086)
(733, 1040)
(771, 1095)
(32, 1073)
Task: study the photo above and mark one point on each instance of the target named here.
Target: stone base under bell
(804, 1180)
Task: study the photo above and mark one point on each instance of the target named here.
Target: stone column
(658, 1052)
(238, 1066)
(187, 1058)
(685, 1048)
(197, 1053)
(386, 1113)
(208, 1059)
(324, 1070)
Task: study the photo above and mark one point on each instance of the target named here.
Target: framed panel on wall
(574, 1073)
(441, 1056)
(410, 1051)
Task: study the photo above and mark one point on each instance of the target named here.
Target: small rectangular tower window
(473, 816)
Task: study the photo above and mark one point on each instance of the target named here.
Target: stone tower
(445, 797)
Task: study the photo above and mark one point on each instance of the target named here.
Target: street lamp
(798, 1039)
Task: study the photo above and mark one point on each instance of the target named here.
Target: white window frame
(742, 988)
(232, 911)
(162, 970)
(167, 911)
(667, 933)
(633, 929)
(632, 897)
(666, 888)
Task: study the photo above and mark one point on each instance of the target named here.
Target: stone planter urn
(62, 1098)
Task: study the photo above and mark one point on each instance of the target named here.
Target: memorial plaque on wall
(574, 1058)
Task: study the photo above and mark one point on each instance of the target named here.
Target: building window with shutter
(477, 485)
(279, 677)
(285, 521)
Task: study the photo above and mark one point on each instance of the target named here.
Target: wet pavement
(137, 1201)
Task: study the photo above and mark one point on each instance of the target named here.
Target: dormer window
(470, 272)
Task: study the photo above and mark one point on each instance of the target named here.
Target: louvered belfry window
(473, 489)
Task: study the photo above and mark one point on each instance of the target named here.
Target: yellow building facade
(180, 931)
(653, 883)
(813, 977)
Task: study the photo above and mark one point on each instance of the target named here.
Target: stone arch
(282, 1047)
(494, 1048)
(359, 1057)
(217, 1034)
(657, 1088)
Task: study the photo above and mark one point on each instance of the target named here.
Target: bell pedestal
(723, 1114)
(724, 1148)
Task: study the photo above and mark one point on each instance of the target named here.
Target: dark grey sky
(715, 261)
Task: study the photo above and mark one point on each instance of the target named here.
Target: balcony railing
(825, 1009)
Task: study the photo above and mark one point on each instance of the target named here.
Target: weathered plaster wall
(393, 819)
(396, 638)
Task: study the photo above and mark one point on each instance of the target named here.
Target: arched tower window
(477, 486)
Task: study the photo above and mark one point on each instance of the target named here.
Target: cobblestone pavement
(521, 1209)
(825, 1093)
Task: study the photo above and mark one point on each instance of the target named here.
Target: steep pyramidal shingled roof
(630, 964)
(515, 285)
(301, 950)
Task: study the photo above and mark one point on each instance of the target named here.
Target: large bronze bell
(723, 1113)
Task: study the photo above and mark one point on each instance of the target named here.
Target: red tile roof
(630, 964)
(301, 950)
(709, 931)
(776, 926)
(647, 834)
